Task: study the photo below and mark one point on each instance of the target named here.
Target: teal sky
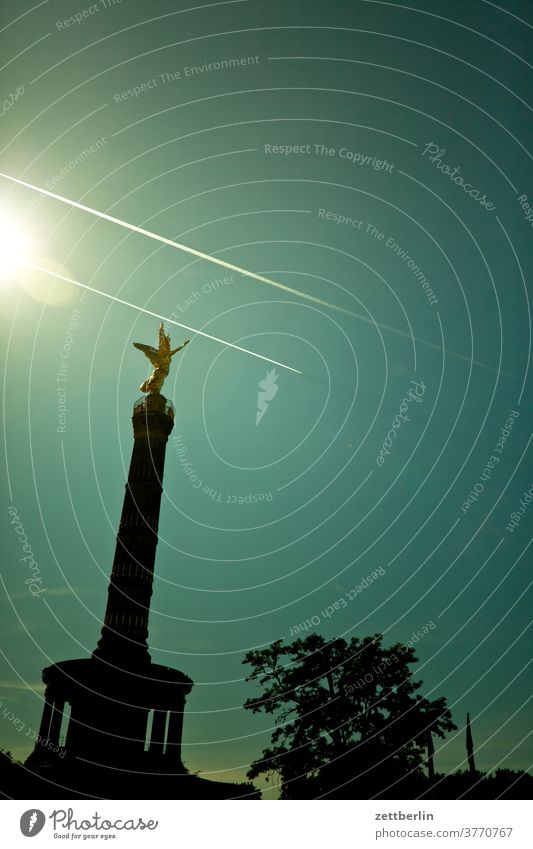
(291, 513)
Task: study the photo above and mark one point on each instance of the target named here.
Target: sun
(23, 268)
(14, 247)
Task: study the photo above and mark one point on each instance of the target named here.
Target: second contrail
(158, 315)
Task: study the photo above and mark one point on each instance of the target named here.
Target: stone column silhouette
(124, 639)
(45, 720)
(55, 725)
(157, 741)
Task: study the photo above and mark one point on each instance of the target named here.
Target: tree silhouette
(348, 717)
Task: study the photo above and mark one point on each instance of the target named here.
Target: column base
(110, 709)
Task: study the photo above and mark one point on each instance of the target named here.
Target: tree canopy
(345, 714)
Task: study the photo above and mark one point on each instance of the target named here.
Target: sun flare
(14, 246)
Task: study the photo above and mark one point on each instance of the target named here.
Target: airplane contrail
(239, 270)
(181, 247)
(157, 315)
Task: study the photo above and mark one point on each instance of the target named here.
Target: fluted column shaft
(124, 638)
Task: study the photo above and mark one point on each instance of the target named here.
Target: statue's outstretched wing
(175, 351)
(151, 353)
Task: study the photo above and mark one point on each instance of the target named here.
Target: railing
(144, 404)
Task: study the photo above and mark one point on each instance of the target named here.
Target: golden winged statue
(160, 359)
